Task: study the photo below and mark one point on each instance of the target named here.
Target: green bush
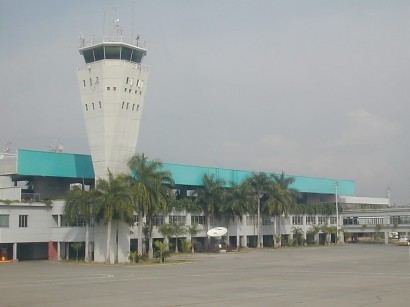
(186, 246)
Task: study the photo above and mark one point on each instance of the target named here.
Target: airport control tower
(112, 88)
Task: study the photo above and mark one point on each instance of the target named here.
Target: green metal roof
(192, 176)
(52, 164)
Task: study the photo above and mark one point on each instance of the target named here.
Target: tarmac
(348, 275)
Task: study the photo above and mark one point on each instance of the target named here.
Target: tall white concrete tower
(112, 88)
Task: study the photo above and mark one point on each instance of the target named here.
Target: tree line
(147, 190)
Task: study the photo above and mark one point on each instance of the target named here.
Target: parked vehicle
(393, 235)
(404, 241)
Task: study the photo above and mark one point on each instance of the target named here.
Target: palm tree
(259, 183)
(179, 230)
(193, 231)
(328, 230)
(80, 204)
(314, 231)
(281, 198)
(162, 250)
(151, 190)
(297, 235)
(210, 197)
(167, 230)
(239, 199)
(76, 246)
(115, 204)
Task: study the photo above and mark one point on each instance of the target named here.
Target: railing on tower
(111, 39)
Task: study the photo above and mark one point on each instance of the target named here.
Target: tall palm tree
(239, 200)
(211, 197)
(115, 204)
(281, 198)
(151, 190)
(80, 204)
(260, 183)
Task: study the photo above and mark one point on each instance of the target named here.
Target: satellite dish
(217, 232)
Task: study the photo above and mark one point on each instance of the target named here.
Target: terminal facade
(32, 224)
(112, 86)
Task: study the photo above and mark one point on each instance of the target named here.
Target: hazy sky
(311, 88)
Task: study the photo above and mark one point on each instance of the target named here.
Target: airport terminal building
(112, 84)
(32, 224)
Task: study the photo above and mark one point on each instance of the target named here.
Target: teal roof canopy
(192, 176)
(52, 164)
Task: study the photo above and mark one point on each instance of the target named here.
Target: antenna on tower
(103, 34)
(116, 22)
(132, 22)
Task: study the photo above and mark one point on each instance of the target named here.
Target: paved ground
(354, 275)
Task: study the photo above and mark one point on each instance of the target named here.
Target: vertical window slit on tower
(84, 83)
(114, 88)
(127, 105)
(129, 91)
(132, 81)
(126, 82)
(138, 106)
(91, 81)
(93, 105)
(136, 91)
(99, 103)
(123, 103)
(108, 88)
(125, 89)
(133, 106)
(86, 107)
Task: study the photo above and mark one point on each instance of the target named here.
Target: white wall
(10, 193)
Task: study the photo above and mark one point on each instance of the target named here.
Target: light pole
(259, 223)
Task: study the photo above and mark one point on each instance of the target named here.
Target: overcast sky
(311, 88)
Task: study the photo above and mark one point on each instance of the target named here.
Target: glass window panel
(4, 221)
(136, 56)
(112, 52)
(126, 53)
(99, 53)
(88, 56)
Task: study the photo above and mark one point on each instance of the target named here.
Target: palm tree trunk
(278, 230)
(150, 249)
(259, 222)
(237, 233)
(208, 238)
(176, 245)
(107, 254)
(140, 244)
(116, 244)
(87, 241)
